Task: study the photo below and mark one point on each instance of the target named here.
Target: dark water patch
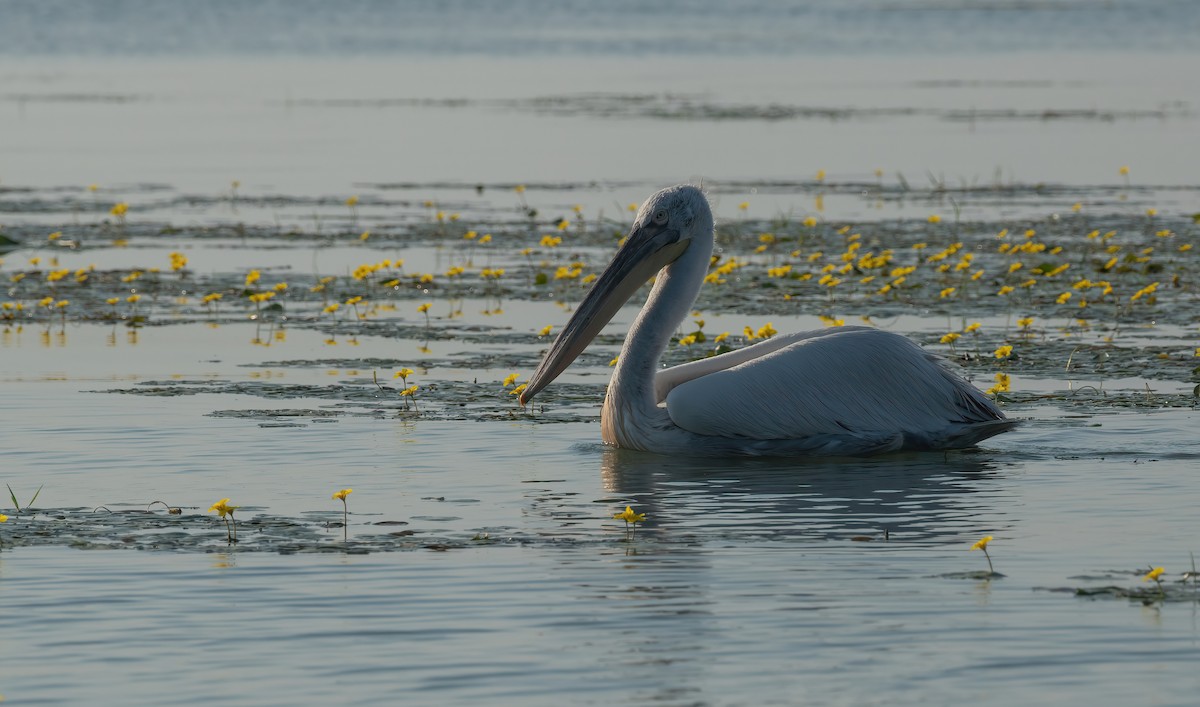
(699, 107)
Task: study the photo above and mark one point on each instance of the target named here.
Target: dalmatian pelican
(853, 390)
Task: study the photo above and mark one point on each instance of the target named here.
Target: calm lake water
(481, 562)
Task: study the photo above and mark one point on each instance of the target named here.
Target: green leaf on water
(35, 495)
(13, 496)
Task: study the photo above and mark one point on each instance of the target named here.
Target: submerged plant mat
(1170, 591)
(190, 531)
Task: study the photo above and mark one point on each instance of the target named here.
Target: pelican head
(666, 226)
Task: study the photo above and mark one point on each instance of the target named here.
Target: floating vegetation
(1163, 590)
(1094, 289)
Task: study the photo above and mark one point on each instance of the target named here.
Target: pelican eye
(660, 218)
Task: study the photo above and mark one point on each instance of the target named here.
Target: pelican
(852, 390)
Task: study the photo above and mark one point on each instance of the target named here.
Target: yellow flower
(744, 205)
(352, 202)
(687, 340)
(403, 373)
(1005, 290)
(341, 495)
(510, 379)
(766, 331)
(973, 327)
(518, 390)
(211, 297)
(112, 300)
(618, 358)
(46, 302)
(119, 209)
(934, 218)
(222, 507)
(629, 516)
(520, 189)
(409, 391)
(950, 338)
(545, 331)
(810, 222)
(252, 277)
(1064, 297)
(132, 299)
(1153, 574)
(1124, 171)
(1024, 322)
(725, 335)
(947, 292)
(820, 175)
(3, 518)
(423, 307)
(332, 308)
(1004, 352)
(982, 543)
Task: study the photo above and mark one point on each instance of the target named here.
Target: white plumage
(837, 391)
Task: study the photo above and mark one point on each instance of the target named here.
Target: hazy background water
(481, 28)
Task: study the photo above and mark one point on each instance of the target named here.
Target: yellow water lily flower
(1004, 352)
(223, 508)
(510, 379)
(3, 518)
(341, 495)
(1153, 574)
(982, 543)
(629, 516)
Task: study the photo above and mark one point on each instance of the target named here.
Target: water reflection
(923, 496)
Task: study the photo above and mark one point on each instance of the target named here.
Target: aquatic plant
(225, 510)
(171, 510)
(631, 518)
(1153, 575)
(982, 544)
(341, 496)
(17, 504)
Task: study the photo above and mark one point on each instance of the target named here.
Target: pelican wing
(843, 385)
